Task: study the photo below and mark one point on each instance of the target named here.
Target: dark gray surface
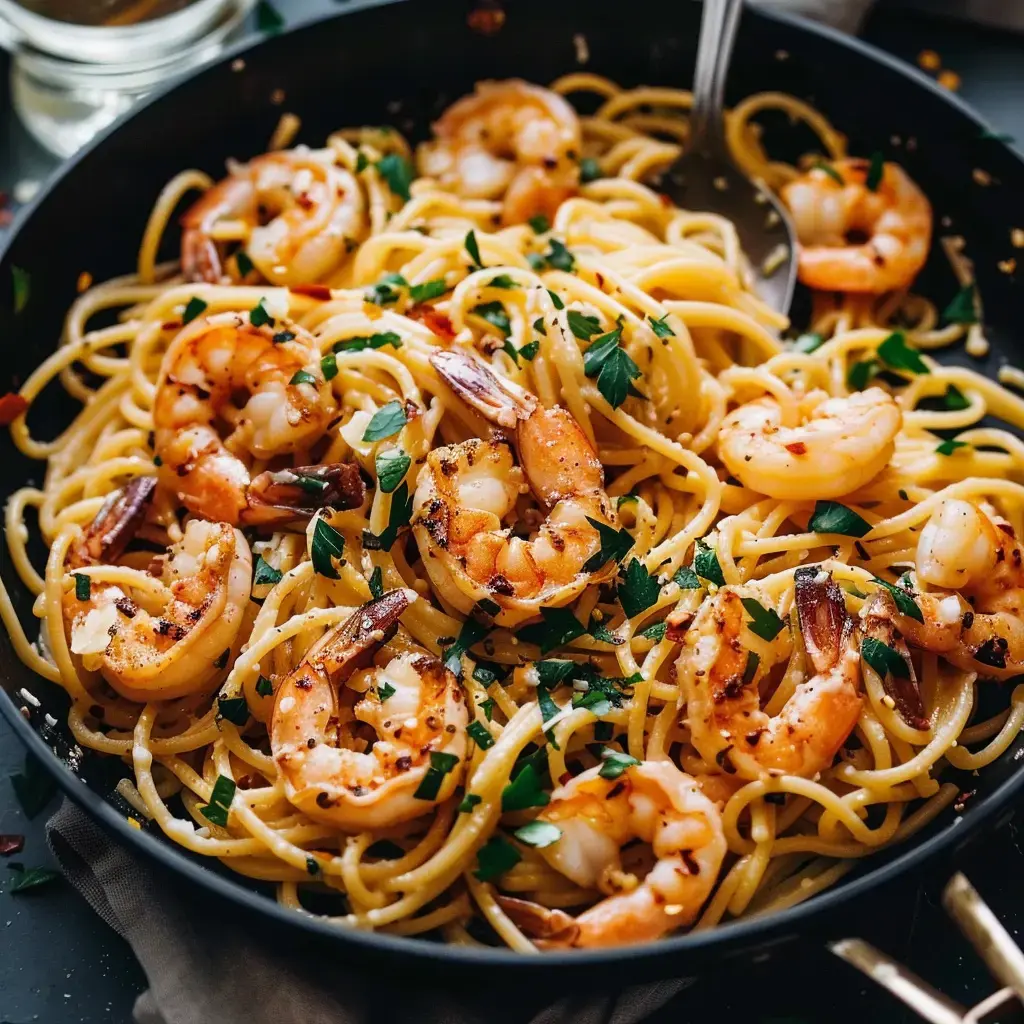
(60, 965)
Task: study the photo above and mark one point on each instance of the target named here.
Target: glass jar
(70, 80)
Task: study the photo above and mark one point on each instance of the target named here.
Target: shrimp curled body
(221, 371)
(839, 445)
(652, 801)
(465, 492)
(508, 139)
(300, 211)
(721, 694)
(163, 645)
(832, 218)
(414, 704)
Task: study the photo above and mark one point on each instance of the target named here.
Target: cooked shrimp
(976, 619)
(302, 213)
(158, 646)
(222, 370)
(465, 492)
(508, 139)
(839, 445)
(654, 802)
(415, 706)
(854, 238)
(721, 693)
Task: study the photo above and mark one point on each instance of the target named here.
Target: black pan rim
(743, 933)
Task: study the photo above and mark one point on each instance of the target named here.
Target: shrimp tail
(499, 401)
(824, 621)
(550, 929)
(352, 645)
(115, 525)
(200, 260)
(289, 494)
(878, 617)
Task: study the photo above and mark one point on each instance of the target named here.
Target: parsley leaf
(524, 791)
(614, 545)
(264, 687)
(614, 369)
(540, 223)
(820, 165)
(383, 293)
(220, 801)
(472, 632)
(962, 309)
(265, 573)
(590, 169)
(882, 658)
(494, 858)
(244, 263)
(898, 355)
(766, 622)
(385, 691)
(397, 172)
(480, 735)
(428, 290)
(559, 258)
(860, 373)
(234, 709)
(876, 170)
(391, 467)
(473, 249)
(34, 878)
(33, 787)
(832, 517)
(440, 765)
(950, 446)
(656, 632)
(750, 669)
(558, 626)
(259, 317)
(548, 710)
(660, 327)
(398, 516)
(904, 599)
(687, 578)
(582, 325)
(193, 308)
(327, 545)
(83, 586)
(329, 366)
(494, 313)
(530, 350)
(808, 343)
(268, 18)
(706, 564)
(556, 299)
(615, 763)
(303, 377)
(638, 590)
(376, 583)
(387, 421)
(373, 341)
(955, 400)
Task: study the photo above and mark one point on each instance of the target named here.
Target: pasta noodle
(431, 266)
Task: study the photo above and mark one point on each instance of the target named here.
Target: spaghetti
(606, 631)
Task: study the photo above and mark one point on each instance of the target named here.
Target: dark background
(59, 964)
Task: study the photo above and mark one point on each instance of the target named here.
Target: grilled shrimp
(301, 211)
(975, 620)
(508, 139)
(654, 802)
(839, 445)
(207, 367)
(854, 238)
(466, 491)
(157, 646)
(723, 707)
(414, 705)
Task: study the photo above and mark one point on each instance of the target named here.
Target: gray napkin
(204, 968)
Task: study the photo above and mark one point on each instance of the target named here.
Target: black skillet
(401, 63)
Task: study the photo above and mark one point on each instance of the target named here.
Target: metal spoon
(706, 179)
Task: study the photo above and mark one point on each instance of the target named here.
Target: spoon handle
(718, 26)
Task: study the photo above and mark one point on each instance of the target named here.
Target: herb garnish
(328, 544)
(265, 573)
(302, 377)
(706, 564)
(765, 621)
(559, 626)
(391, 466)
(383, 293)
(83, 586)
(656, 632)
(962, 309)
(376, 583)
(32, 878)
(428, 290)
(538, 834)
(808, 343)
(904, 598)
(440, 765)
(193, 308)
(387, 421)
(244, 263)
(494, 858)
(220, 801)
(329, 366)
(898, 355)
(234, 709)
(540, 223)
(582, 325)
(661, 327)
(21, 284)
(950, 446)
(615, 763)
(259, 317)
(614, 545)
(613, 367)
(638, 589)
(264, 687)
(832, 517)
(384, 691)
(524, 790)
(494, 313)
(373, 341)
(474, 250)
(876, 170)
(882, 658)
(472, 632)
(479, 734)
(397, 172)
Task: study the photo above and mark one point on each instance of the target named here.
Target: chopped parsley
(558, 626)
(328, 545)
(268, 18)
(31, 878)
(494, 313)
(472, 632)
(832, 517)
(264, 687)
(524, 790)
(494, 858)
(234, 709)
(765, 621)
(282, 336)
(480, 735)
(614, 545)
(244, 263)
(582, 325)
(590, 169)
(385, 691)
(440, 765)
(391, 467)
(882, 658)
(329, 366)
(687, 579)
(33, 786)
(21, 284)
(898, 355)
(615, 371)
(428, 290)
(706, 564)
(638, 589)
(486, 706)
(540, 223)
(656, 632)
(556, 299)
(955, 400)
(469, 801)
(808, 343)
(860, 373)
(83, 587)
(876, 170)
(387, 421)
(950, 446)
(373, 341)
(193, 308)
(904, 598)
(397, 172)
(530, 350)
(265, 574)
(661, 327)
(820, 165)
(376, 583)
(384, 292)
(962, 309)
(473, 249)
(615, 763)
(220, 801)
(302, 377)
(750, 669)
(399, 515)
(259, 317)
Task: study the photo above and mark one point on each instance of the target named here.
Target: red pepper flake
(797, 448)
(11, 844)
(12, 405)
(436, 322)
(564, 778)
(312, 291)
(171, 325)
(665, 200)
